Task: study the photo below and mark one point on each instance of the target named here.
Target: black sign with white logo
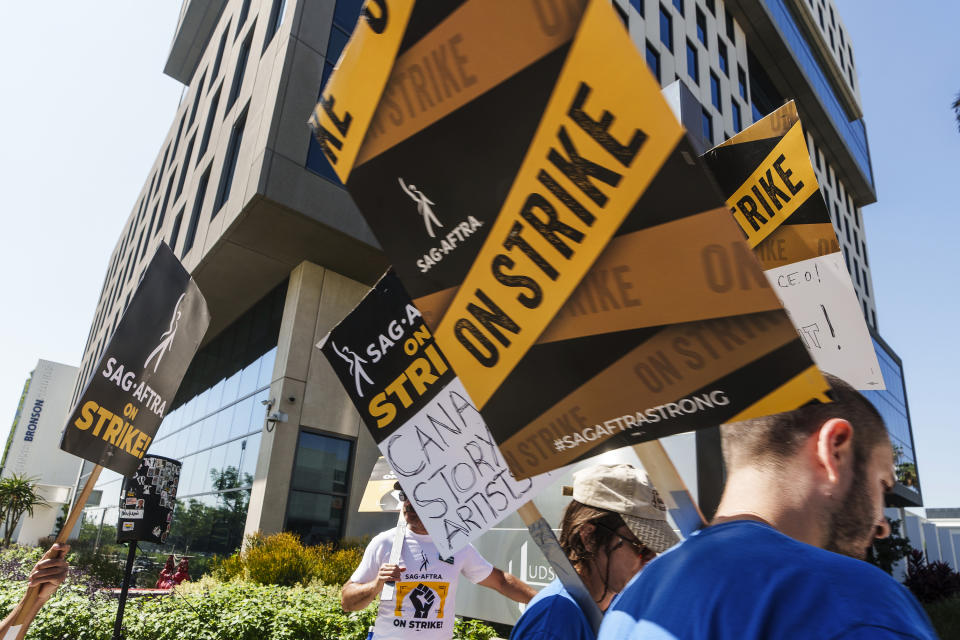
(386, 358)
(147, 501)
(140, 370)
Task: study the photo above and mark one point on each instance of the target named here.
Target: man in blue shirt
(803, 487)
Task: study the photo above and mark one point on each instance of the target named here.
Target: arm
(357, 595)
(47, 575)
(508, 585)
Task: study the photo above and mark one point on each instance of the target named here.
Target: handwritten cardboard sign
(572, 258)
(776, 201)
(433, 438)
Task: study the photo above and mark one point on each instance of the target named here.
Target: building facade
(33, 447)
(245, 198)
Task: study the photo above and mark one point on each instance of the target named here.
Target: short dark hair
(775, 438)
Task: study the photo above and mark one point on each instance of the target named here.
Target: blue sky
(909, 71)
(87, 107)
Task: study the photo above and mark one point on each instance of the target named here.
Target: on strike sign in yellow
(573, 259)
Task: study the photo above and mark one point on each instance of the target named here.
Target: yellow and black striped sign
(776, 200)
(775, 197)
(575, 261)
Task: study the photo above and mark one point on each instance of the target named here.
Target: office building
(33, 447)
(246, 199)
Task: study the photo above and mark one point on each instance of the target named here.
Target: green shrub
(210, 610)
(945, 616)
(337, 565)
(281, 559)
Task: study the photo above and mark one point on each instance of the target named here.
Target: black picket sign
(134, 383)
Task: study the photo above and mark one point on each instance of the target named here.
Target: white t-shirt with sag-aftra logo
(423, 606)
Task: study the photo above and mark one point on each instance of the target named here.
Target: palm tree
(956, 109)
(18, 495)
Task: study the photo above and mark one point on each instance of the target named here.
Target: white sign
(131, 514)
(453, 472)
(822, 304)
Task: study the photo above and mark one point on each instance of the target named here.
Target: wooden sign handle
(29, 606)
(543, 535)
(388, 589)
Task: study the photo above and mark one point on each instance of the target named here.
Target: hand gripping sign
(572, 259)
(140, 370)
(776, 201)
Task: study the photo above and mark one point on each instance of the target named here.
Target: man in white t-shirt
(426, 584)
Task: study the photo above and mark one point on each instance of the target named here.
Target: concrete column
(303, 387)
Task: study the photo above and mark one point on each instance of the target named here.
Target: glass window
(240, 419)
(638, 5)
(679, 5)
(216, 64)
(318, 488)
(722, 54)
(208, 432)
(316, 517)
(250, 452)
(346, 13)
(711, 7)
(735, 109)
(215, 470)
(201, 476)
(244, 11)
(201, 407)
(707, 122)
(231, 388)
(321, 463)
(237, 83)
(232, 459)
(653, 61)
(266, 368)
(666, 28)
(221, 424)
(729, 24)
(186, 476)
(693, 68)
(715, 91)
(742, 83)
(276, 19)
(208, 127)
(192, 438)
(701, 27)
(195, 216)
(196, 99)
(230, 163)
(248, 381)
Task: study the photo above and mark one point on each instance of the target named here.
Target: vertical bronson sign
(119, 412)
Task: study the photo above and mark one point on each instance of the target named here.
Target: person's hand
(389, 572)
(50, 571)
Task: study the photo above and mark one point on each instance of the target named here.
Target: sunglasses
(638, 547)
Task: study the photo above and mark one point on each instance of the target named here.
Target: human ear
(834, 447)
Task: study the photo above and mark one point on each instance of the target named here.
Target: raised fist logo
(422, 598)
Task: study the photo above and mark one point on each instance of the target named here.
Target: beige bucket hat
(627, 491)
